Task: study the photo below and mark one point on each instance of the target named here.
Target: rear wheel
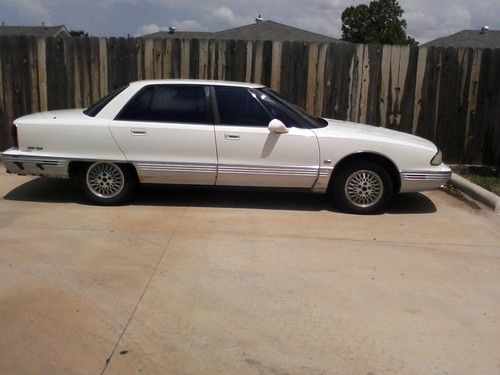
(106, 183)
(362, 188)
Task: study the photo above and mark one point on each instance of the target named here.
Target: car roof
(195, 82)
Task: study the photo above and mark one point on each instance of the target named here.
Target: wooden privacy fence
(448, 95)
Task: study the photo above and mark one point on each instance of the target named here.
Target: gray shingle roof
(266, 30)
(468, 38)
(270, 30)
(38, 31)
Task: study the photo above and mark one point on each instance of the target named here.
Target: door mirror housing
(277, 126)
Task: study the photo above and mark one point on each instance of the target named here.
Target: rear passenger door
(167, 131)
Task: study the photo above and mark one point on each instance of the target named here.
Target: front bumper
(22, 164)
(414, 181)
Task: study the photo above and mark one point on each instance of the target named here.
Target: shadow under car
(51, 190)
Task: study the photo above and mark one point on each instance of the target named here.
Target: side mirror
(277, 126)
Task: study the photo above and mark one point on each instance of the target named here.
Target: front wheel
(106, 183)
(364, 188)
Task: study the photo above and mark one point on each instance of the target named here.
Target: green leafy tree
(379, 22)
(76, 33)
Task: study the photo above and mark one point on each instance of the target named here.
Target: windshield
(95, 108)
(314, 122)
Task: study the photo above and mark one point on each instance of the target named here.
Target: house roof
(468, 38)
(270, 30)
(38, 31)
(181, 35)
(265, 30)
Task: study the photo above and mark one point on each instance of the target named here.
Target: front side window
(306, 118)
(278, 112)
(168, 103)
(238, 106)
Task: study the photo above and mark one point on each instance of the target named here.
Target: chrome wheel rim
(364, 188)
(105, 180)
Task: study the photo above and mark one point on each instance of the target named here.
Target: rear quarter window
(95, 108)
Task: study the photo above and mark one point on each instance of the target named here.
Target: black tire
(362, 188)
(106, 183)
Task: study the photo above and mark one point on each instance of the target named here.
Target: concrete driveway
(196, 281)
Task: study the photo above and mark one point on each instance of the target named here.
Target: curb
(477, 192)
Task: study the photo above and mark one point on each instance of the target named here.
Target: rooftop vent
(259, 19)
(171, 30)
(485, 29)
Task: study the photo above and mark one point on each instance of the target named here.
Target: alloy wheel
(364, 188)
(105, 180)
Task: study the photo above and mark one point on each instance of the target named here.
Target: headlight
(437, 159)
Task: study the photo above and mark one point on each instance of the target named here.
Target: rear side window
(168, 103)
(237, 106)
(95, 108)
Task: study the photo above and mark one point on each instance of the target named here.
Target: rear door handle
(138, 131)
(231, 137)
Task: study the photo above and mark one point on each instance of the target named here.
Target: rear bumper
(413, 181)
(26, 165)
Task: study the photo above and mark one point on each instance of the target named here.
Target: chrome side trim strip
(205, 173)
(414, 181)
(176, 172)
(325, 171)
(268, 170)
(176, 167)
(418, 176)
(323, 180)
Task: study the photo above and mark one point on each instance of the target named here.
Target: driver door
(249, 154)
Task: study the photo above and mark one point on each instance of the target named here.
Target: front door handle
(138, 131)
(231, 137)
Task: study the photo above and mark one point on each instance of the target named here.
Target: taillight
(14, 136)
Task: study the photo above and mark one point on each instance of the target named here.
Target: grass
(490, 183)
(488, 178)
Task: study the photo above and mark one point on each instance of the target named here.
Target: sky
(426, 19)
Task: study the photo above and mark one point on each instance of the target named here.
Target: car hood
(352, 130)
(59, 114)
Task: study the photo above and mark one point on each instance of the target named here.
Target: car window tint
(95, 108)
(277, 112)
(306, 118)
(237, 106)
(168, 103)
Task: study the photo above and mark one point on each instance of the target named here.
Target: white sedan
(218, 133)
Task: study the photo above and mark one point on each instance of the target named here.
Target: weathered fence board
(338, 63)
(451, 96)
(293, 75)
(374, 86)
(484, 129)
